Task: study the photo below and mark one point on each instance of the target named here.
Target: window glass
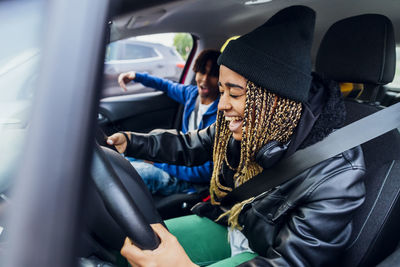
(161, 55)
(19, 57)
(111, 52)
(395, 85)
(18, 74)
(133, 51)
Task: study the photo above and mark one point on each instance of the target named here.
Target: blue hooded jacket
(185, 95)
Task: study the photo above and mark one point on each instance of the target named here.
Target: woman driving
(270, 107)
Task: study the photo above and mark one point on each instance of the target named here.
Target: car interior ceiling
(375, 223)
(173, 15)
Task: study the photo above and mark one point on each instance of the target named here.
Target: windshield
(19, 56)
(19, 74)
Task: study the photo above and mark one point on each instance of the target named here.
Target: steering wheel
(132, 216)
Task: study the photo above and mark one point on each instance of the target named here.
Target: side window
(111, 52)
(395, 85)
(161, 55)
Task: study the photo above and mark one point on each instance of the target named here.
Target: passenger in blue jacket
(200, 109)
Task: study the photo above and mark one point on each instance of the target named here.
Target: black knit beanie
(276, 55)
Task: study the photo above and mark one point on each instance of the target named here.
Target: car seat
(361, 49)
(180, 204)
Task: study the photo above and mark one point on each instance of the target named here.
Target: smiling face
(232, 87)
(207, 84)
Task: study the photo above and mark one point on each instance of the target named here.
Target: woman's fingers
(114, 139)
(168, 253)
(119, 141)
(160, 230)
(129, 250)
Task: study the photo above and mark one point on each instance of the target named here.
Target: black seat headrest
(358, 49)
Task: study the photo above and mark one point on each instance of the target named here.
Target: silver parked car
(133, 55)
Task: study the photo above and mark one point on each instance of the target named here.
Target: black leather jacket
(303, 222)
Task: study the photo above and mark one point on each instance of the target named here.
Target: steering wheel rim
(124, 210)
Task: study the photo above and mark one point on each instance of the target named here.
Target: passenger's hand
(125, 78)
(168, 253)
(119, 141)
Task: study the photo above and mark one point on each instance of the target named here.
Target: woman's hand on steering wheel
(119, 141)
(168, 253)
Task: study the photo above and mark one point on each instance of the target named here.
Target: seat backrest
(361, 49)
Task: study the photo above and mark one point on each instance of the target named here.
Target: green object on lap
(235, 260)
(205, 241)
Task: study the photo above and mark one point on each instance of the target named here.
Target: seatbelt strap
(337, 142)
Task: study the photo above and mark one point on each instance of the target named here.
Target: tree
(183, 43)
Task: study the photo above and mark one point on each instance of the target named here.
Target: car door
(141, 109)
(141, 112)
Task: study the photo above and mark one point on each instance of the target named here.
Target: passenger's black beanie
(276, 55)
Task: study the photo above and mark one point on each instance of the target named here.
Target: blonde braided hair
(267, 117)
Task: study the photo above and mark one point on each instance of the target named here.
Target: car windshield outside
(19, 58)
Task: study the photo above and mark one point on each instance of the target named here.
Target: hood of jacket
(323, 112)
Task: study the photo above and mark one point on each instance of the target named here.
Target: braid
(222, 137)
(267, 117)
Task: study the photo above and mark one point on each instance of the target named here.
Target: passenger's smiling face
(232, 87)
(207, 84)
